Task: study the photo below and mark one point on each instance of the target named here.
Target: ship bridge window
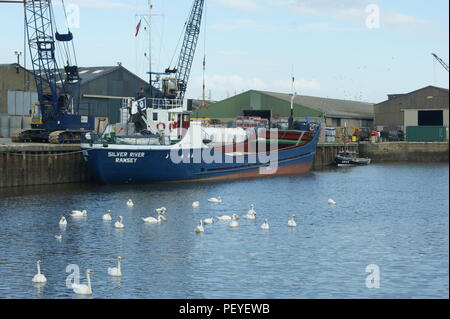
(155, 116)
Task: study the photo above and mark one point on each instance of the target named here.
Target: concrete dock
(23, 164)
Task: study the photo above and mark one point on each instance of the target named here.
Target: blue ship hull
(119, 164)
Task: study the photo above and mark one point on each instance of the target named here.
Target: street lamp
(18, 54)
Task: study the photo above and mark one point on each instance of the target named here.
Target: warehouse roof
(331, 107)
(399, 95)
(279, 103)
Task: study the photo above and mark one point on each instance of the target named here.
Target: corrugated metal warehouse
(101, 91)
(422, 109)
(336, 112)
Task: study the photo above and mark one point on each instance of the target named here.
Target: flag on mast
(137, 28)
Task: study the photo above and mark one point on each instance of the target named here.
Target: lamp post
(18, 54)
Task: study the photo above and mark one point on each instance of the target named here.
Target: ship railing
(112, 138)
(164, 104)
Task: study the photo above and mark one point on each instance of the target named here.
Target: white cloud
(300, 85)
(222, 86)
(241, 5)
(348, 10)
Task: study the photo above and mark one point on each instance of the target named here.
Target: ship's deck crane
(55, 119)
(445, 65)
(176, 87)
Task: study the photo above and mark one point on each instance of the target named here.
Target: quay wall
(405, 151)
(23, 164)
(41, 164)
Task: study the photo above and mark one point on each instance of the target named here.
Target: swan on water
(107, 216)
(130, 203)
(119, 224)
(196, 204)
(265, 225)
(63, 221)
(208, 221)
(291, 221)
(251, 214)
(58, 237)
(331, 202)
(153, 220)
(39, 278)
(199, 228)
(115, 271)
(215, 199)
(161, 210)
(233, 222)
(78, 213)
(224, 218)
(84, 289)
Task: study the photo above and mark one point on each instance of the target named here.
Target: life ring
(312, 128)
(159, 124)
(173, 125)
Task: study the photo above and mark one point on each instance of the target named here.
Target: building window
(335, 122)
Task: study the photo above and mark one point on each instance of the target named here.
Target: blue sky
(255, 44)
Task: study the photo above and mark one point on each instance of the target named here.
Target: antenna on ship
(291, 116)
(148, 20)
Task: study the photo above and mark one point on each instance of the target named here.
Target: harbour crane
(175, 87)
(445, 65)
(55, 118)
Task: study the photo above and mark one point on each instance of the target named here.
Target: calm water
(394, 216)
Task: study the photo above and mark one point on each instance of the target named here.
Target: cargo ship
(163, 145)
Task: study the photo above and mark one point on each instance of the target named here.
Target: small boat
(349, 158)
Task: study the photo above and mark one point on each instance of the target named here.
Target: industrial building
(333, 112)
(421, 114)
(101, 93)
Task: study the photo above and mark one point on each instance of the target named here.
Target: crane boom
(187, 52)
(445, 65)
(55, 119)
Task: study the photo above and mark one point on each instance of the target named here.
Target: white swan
(119, 224)
(331, 202)
(152, 220)
(265, 225)
(63, 221)
(251, 214)
(115, 271)
(58, 237)
(233, 222)
(224, 218)
(196, 204)
(215, 199)
(84, 289)
(161, 210)
(208, 221)
(130, 203)
(199, 228)
(78, 213)
(291, 222)
(39, 278)
(107, 216)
